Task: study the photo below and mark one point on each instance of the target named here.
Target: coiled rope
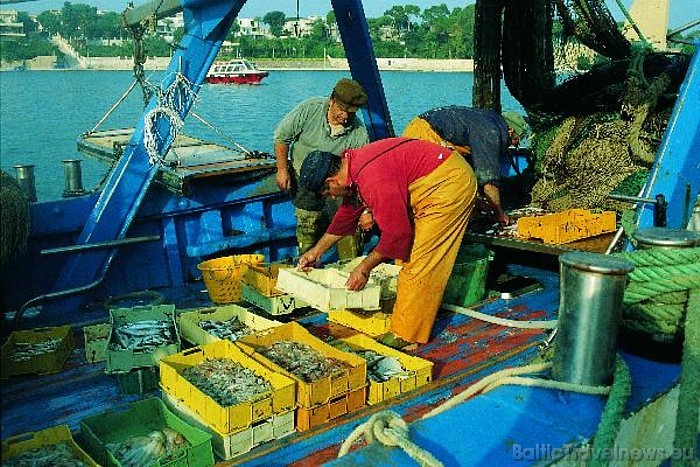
(656, 297)
(391, 430)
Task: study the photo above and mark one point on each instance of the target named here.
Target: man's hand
(358, 279)
(366, 221)
(284, 181)
(309, 260)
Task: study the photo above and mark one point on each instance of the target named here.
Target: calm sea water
(42, 113)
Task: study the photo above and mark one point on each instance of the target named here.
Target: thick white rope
(550, 324)
(391, 430)
(485, 382)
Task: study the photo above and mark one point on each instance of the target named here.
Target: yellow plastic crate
(16, 445)
(189, 322)
(308, 418)
(372, 323)
(277, 304)
(228, 446)
(263, 277)
(421, 370)
(567, 226)
(45, 363)
(317, 392)
(234, 418)
(96, 339)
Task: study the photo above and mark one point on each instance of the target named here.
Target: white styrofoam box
(324, 289)
(384, 274)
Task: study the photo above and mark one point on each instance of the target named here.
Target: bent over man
(421, 195)
(482, 136)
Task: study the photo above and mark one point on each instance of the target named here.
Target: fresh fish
(226, 381)
(303, 361)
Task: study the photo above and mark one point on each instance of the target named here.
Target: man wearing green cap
(318, 124)
(482, 136)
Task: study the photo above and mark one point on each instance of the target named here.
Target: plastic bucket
(222, 276)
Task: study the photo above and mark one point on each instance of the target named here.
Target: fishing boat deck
(188, 157)
(463, 351)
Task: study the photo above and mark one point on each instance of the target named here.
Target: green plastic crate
(138, 380)
(139, 419)
(467, 283)
(121, 361)
(42, 364)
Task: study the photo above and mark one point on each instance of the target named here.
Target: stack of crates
(36, 351)
(137, 372)
(419, 372)
(102, 431)
(325, 399)
(16, 446)
(238, 428)
(189, 322)
(260, 289)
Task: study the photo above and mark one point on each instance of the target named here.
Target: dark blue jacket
(484, 131)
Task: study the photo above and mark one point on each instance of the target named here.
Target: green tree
(28, 24)
(275, 19)
(50, 21)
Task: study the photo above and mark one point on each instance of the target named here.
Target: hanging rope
(610, 420)
(391, 430)
(686, 434)
(172, 102)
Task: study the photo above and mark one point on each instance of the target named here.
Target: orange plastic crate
(308, 418)
(318, 392)
(567, 226)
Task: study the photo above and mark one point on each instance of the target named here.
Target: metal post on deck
(74, 178)
(25, 178)
(591, 290)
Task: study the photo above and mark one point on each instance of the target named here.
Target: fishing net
(595, 129)
(14, 219)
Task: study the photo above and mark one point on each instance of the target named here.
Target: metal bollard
(666, 239)
(590, 305)
(25, 178)
(74, 178)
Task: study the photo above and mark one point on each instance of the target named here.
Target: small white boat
(236, 71)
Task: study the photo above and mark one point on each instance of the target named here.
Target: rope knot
(386, 427)
(391, 430)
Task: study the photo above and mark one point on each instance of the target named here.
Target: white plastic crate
(324, 289)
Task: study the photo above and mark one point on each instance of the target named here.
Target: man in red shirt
(421, 195)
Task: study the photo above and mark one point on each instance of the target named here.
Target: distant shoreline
(330, 64)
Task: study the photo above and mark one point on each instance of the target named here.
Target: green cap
(517, 123)
(349, 95)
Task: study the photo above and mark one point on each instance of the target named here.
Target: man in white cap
(327, 124)
(482, 136)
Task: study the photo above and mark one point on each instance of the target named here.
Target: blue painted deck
(463, 350)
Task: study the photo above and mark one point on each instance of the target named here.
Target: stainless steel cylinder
(25, 178)
(660, 237)
(74, 178)
(590, 303)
